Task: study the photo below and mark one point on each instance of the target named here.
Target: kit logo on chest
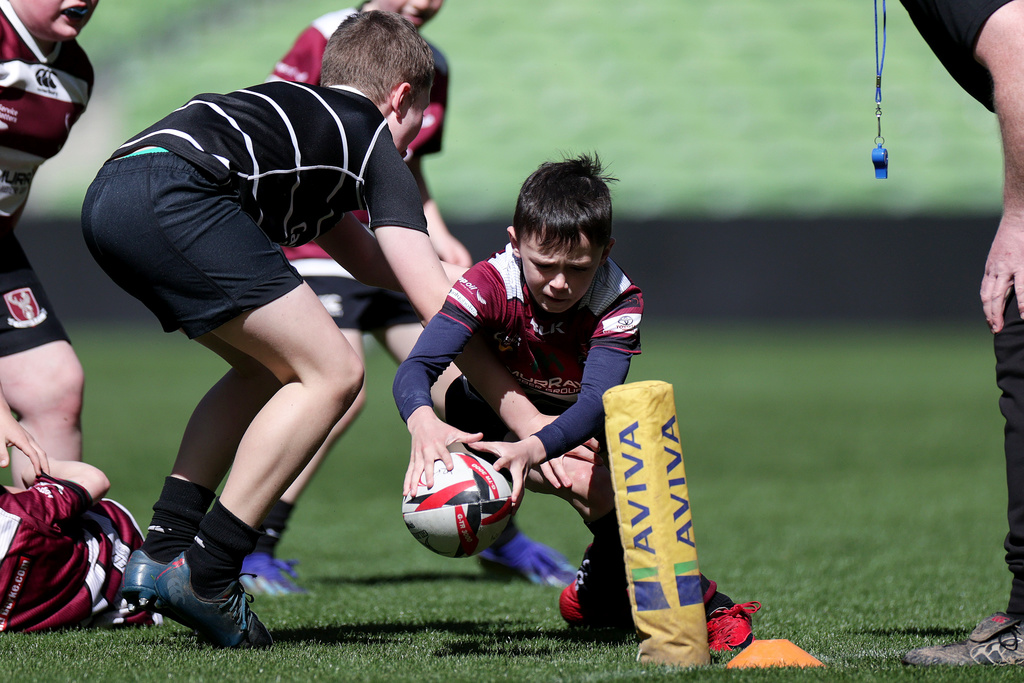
(546, 330)
(45, 79)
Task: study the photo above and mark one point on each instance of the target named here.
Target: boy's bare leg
(398, 340)
(320, 375)
(44, 387)
(262, 572)
(355, 340)
(215, 429)
(591, 493)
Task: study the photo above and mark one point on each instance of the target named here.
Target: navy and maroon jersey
(41, 97)
(302, 64)
(63, 558)
(546, 352)
(563, 361)
(298, 156)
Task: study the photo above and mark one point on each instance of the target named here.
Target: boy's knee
(601, 493)
(591, 492)
(347, 382)
(357, 405)
(57, 390)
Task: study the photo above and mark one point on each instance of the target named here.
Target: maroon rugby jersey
(302, 64)
(546, 352)
(62, 558)
(41, 97)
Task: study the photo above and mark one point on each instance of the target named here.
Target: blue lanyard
(879, 155)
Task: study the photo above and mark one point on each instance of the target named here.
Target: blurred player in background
(980, 42)
(565, 321)
(45, 83)
(64, 552)
(359, 309)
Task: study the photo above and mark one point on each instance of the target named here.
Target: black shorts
(355, 306)
(466, 410)
(29, 320)
(180, 243)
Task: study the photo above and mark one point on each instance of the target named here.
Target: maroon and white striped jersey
(63, 558)
(546, 352)
(41, 97)
(302, 64)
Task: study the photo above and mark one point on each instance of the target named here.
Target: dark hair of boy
(375, 51)
(565, 201)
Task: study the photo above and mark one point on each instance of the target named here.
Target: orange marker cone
(765, 653)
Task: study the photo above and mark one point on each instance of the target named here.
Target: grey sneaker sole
(997, 640)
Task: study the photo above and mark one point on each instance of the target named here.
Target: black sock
(717, 600)
(176, 518)
(607, 560)
(220, 546)
(605, 582)
(274, 527)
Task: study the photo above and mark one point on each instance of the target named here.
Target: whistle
(880, 158)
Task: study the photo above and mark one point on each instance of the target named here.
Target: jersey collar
(26, 37)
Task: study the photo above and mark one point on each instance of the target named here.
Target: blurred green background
(744, 108)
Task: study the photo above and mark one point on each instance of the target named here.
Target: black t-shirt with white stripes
(299, 156)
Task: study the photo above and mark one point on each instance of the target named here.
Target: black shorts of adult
(355, 306)
(179, 242)
(29, 320)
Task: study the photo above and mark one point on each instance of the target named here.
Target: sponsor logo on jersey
(24, 309)
(508, 342)
(622, 323)
(290, 72)
(466, 284)
(8, 115)
(466, 304)
(16, 179)
(14, 590)
(46, 488)
(15, 184)
(549, 385)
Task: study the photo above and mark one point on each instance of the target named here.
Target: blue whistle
(880, 158)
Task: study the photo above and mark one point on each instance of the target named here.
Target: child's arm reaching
(438, 345)
(430, 439)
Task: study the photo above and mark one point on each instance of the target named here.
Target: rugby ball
(465, 510)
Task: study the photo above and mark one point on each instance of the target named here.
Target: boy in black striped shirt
(187, 216)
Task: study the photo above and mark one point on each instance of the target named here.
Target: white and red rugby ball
(464, 511)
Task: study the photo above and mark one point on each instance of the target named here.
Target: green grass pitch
(850, 479)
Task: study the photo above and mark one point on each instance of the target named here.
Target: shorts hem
(198, 328)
